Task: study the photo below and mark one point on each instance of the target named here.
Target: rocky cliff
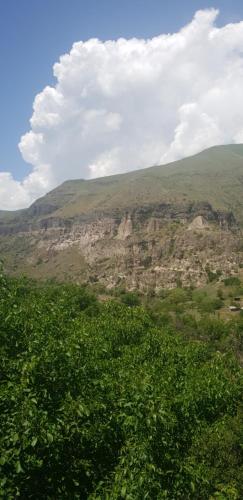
(147, 248)
(138, 230)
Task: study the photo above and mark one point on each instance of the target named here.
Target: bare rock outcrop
(125, 228)
(198, 223)
(149, 247)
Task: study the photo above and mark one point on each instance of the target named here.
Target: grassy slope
(215, 175)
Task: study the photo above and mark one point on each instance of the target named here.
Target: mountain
(158, 227)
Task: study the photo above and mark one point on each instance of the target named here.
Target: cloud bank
(127, 104)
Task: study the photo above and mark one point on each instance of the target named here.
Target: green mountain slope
(215, 175)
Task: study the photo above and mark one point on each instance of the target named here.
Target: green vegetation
(232, 281)
(203, 177)
(101, 400)
(130, 299)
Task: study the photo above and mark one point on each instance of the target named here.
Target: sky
(142, 82)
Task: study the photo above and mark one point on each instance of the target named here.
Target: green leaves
(18, 467)
(34, 441)
(97, 401)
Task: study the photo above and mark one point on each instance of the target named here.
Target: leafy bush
(131, 299)
(205, 303)
(212, 275)
(209, 304)
(232, 281)
(106, 404)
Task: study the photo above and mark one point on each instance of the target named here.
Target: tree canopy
(100, 401)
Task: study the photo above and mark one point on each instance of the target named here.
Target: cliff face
(150, 247)
(153, 228)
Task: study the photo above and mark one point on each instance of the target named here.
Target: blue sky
(167, 84)
(34, 33)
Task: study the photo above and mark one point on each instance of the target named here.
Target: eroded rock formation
(150, 247)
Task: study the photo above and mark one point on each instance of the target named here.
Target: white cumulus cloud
(127, 104)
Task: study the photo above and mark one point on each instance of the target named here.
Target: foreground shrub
(97, 402)
(232, 281)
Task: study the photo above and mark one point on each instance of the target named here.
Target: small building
(234, 308)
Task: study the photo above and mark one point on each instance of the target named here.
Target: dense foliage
(110, 400)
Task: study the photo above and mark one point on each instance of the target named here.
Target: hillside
(158, 225)
(215, 175)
